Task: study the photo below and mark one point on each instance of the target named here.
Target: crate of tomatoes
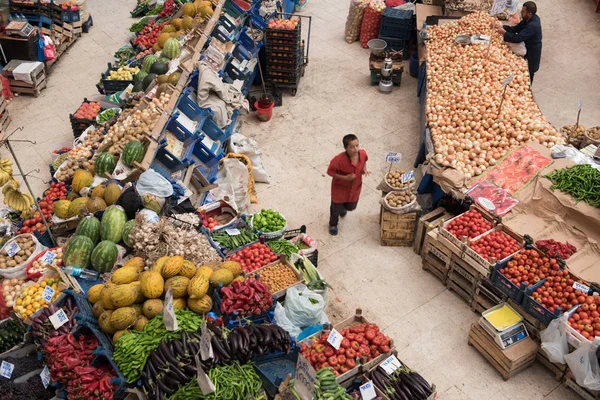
(254, 256)
(468, 225)
(583, 323)
(495, 246)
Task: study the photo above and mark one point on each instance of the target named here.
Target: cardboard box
(423, 11)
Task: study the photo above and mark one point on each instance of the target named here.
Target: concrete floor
(428, 323)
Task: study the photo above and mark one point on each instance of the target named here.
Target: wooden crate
(486, 296)
(4, 121)
(570, 382)
(397, 229)
(425, 224)
(462, 278)
(559, 370)
(508, 362)
(436, 257)
(38, 76)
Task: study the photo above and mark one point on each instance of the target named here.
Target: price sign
(12, 248)
(48, 294)
(390, 364)
(335, 338)
(48, 257)
(206, 385)
(169, 314)
(407, 176)
(508, 80)
(304, 382)
(498, 7)
(206, 350)
(367, 391)
(45, 376)
(6, 369)
(393, 157)
(58, 319)
(581, 286)
(232, 231)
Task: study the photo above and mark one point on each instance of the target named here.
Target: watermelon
(148, 61)
(104, 256)
(148, 80)
(171, 49)
(89, 226)
(113, 221)
(141, 75)
(159, 68)
(133, 151)
(105, 162)
(78, 251)
(127, 230)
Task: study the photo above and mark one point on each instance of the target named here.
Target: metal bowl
(377, 46)
(462, 39)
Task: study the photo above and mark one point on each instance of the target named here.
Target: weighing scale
(19, 28)
(505, 335)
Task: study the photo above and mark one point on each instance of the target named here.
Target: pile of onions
(464, 93)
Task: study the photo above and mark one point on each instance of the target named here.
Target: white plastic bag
(299, 308)
(19, 271)
(240, 144)
(583, 363)
(518, 48)
(554, 340)
(232, 178)
(283, 321)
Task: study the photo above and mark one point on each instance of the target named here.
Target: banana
(14, 183)
(30, 199)
(8, 196)
(6, 189)
(4, 177)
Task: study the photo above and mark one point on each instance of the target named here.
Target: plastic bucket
(264, 114)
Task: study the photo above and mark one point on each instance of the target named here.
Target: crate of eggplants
(43, 329)
(402, 384)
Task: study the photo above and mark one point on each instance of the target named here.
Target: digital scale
(504, 325)
(19, 28)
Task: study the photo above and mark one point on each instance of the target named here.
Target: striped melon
(172, 48)
(77, 206)
(148, 61)
(104, 256)
(81, 179)
(132, 152)
(127, 230)
(201, 305)
(98, 191)
(95, 204)
(89, 226)
(105, 162)
(178, 285)
(123, 318)
(112, 193)
(112, 224)
(78, 251)
(61, 208)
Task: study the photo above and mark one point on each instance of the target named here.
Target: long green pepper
(581, 181)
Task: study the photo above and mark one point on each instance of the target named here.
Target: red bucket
(264, 113)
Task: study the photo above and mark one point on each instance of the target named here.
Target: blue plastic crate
(274, 368)
(396, 32)
(187, 106)
(183, 135)
(211, 129)
(86, 328)
(168, 167)
(506, 286)
(102, 357)
(209, 173)
(396, 16)
(202, 154)
(231, 321)
(70, 15)
(227, 23)
(83, 305)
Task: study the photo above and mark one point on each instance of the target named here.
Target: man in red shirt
(346, 169)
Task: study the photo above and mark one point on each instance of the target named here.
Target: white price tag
(498, 7)
(393, 157)
(48, 257)
(48, 293)
(58, 319)
(407, 176)
(232, 231)
(12, 248)
(206, 350)
(45, 375)
(6, 369)
(581, 286)
(335, 338)
(367, 391)
(206, 385)
(508, 80)
(304, 382)
(169, 317)
(390, 364)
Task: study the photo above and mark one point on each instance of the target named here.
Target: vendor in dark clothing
(529, 30)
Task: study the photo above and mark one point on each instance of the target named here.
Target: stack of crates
(285, 56)
(396, 29)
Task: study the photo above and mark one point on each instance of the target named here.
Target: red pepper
(72, 362)
(85, 370)
(71, 340)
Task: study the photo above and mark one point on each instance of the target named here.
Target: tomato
(351, 353)
(350, 363)
(370, 334)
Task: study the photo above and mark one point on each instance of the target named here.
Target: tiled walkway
(429, 324)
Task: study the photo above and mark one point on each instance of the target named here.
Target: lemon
(36, 305)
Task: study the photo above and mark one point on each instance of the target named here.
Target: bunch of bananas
(13, 197)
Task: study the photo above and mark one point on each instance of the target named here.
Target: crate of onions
(495, 246)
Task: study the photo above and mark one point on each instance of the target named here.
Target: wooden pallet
(397, 229)
(508, 362)
(436, 258)
(559, 370)
(462, 278)
(570, 382)
(39, 83)
(425, 224)
(486, 296)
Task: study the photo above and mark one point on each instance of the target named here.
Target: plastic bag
(248, 164)
(19, 271)
(303, 237)
(412, 206)
(303, 306)
(354, 20)
(518, 48)
(49, 51)
(283, 321)
(300, 5)
(232, 178)
(583, 363)
(240, 144)
(554, 340)
(369, 29)
(151, 182)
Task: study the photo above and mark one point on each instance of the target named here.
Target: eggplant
(214, 329)
(184, 342)
(420, 380)
(179, 351)
(233, 345)
(151, 368)
(158, 363)
(267, 334)
(189, 369)
(182, 376)
(225, 344)
(164, 388)
(216, 344)
(414, 387)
